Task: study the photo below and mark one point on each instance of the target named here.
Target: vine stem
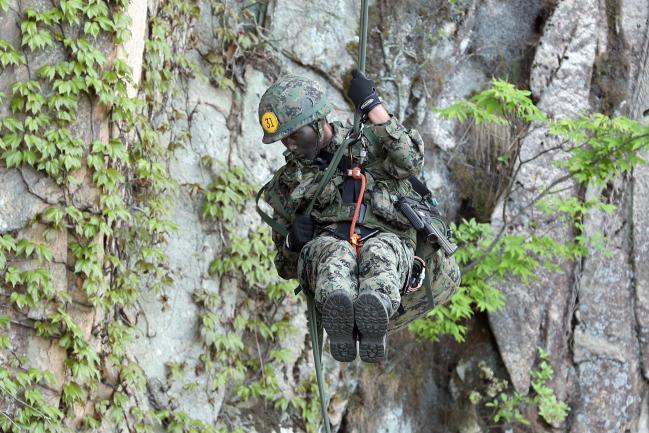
(5, 391)
(9, 418)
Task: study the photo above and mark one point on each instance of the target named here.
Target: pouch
(383, 206)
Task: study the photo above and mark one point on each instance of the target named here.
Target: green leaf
(13, 158)
(91, 28)
(73, 393)
(282, 355)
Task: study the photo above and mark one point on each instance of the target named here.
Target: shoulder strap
(267, 218)
(328, 174)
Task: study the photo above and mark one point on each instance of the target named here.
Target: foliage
(509, 407)
(236, 36)
(244, 355)
(591, 150)
(110, 265)
(115, 245)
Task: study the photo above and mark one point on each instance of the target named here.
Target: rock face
(562, 88)
(592, 317)
(17, 204)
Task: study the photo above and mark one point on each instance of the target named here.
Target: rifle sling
(267, 218)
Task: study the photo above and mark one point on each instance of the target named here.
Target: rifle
(422, 217)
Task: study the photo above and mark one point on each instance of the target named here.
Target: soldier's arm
(405, 157)
(278, 197)
(285, 260)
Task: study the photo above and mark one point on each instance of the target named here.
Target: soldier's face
(303, 143)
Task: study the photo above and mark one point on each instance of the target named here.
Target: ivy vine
(130, 192)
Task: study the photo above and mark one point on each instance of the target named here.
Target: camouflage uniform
(357, 288)
(327, 262)
(383, 264)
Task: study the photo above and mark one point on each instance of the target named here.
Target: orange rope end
(355, 238)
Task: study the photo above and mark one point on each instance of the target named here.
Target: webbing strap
(315, 329)
(267, 218)
(328, 174)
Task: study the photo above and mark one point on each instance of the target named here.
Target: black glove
(301, 232)
(362, 92)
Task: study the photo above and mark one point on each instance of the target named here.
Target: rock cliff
(591, 317)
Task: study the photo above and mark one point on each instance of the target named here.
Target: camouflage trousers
(383, 265)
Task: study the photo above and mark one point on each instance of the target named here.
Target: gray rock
(641, 425)
(174, 319)
(210, 137)
(260, 160)
(42, 186)
(315, 35)
(560, 86)
(17, 204)
(500, 32)
(641, 250)
(632, 25)
(605, 338)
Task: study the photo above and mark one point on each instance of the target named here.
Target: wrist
(378, 115)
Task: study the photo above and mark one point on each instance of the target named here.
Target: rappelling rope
(315, 329)
(361, 57)
(315, 325)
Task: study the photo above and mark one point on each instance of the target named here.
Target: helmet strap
(318, 127)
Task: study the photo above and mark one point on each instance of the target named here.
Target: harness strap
(329, 172)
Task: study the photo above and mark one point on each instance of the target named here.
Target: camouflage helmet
(289, 104)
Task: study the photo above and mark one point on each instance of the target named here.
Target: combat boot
(338, 321)
(372, 311)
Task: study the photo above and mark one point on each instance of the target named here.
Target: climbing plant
(112, 188)
(509, 406)
(236, 37)
(244, 354)
(596, 149)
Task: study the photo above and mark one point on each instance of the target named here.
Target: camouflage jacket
(393, 154)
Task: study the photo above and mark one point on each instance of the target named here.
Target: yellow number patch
(269, 122)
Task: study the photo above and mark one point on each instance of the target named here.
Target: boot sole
(338, 321)
(372, 322)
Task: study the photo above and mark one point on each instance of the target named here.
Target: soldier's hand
(362, 92)
(301, 232)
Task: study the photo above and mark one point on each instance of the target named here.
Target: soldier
(355, 250)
